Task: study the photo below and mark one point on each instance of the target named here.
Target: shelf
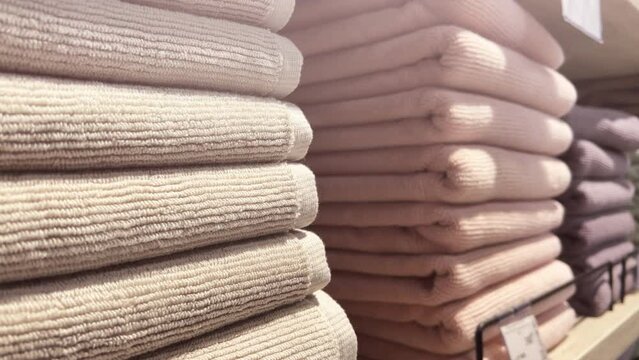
(605, 337)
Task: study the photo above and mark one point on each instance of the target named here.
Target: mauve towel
(417, 228)
(502, 21)
(588, 197)
(605, 127)
(427, 116)
(437, 173)
(110, 40)
(595, 87)
(434, 279)
(582, 233)
(589, 160)
(450, 328)
(441, 56)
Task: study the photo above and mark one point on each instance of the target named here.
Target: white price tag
(585, 15)
(522, 340)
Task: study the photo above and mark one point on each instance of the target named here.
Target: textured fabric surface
(414, 228)
(428, 116)
(584, 233)
(113, 41)
(450, 328)
(434, 279)
(61, 223)
(311, 12)
(589, 160)
(316, 329)
(588, 197)
(441, 56)
(125, 311)
(502, 21)
(271, 14)
(56, 124)
(446, 173)
(605, 127)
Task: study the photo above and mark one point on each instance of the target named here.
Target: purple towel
(587, 197)
(606, 127)
(588, 160)
(581, 233)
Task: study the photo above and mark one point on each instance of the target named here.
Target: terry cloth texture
(450, 328)
(441, 56)
(583, 233)
(434, 279)
(51, 124)
(588, 197)
(427, 116)
(414, 228)
(589, 160)
(62, 223)
(270, 14)
(114, 41)
(502, 21)
(316, 329)
(446, 173)
(605, 127)
(122, 312)
(554, 325)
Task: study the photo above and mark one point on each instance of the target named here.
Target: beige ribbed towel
(62, 223)
(434, 279)
(312, 12)
(110, 40)
(121, 312)
(441, 56)
(446, 173)
(418, 228)
(427, 116)
(315, 329)
(60, 124)
(270, 14)
(450, 328)
(502, 21)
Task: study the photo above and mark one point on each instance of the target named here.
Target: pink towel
(586, 197)
(589, 160)
(605, 127)
(582, 233)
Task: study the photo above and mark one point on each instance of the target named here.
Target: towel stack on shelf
(436, 130)
(599, 225)
(141, 218)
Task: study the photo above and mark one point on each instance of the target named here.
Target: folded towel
(502, 21)
(121, 312)
(595, 87)
(50, 124)
(583, 233)
(446, 173)
(434, 279)
(441, 56)
(270, 14)
(586, 197)
(589, 160)
(315, 328)
(605, 127)
(110, 40)
(554, 325)
(429, 116)
(62, 223)
(450, 328)
(414, 228)
(614, 99)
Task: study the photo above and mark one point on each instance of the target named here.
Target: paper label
(522, 340)
(585, 15)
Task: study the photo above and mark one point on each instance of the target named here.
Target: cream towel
(110, 40)
(59, 124)
(438, 173)
(450, 328)
(312, 12)
(502, 21)
(441, 56)
(427, 116)
(434, 279)
(589, 160)
(125, 311)
(271, 14)
(414, 228)
(314, 329)
(62, 223)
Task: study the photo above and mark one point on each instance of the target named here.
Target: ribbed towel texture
(316, 328)
(121, 312)
(587, 197)
(589, 160)
(606, 127)
(116, 41)
(51, 124)
(587, 232)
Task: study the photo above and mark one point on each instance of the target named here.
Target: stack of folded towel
(621, 93)
(436, 135)
(599, 225)
(141, 218)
